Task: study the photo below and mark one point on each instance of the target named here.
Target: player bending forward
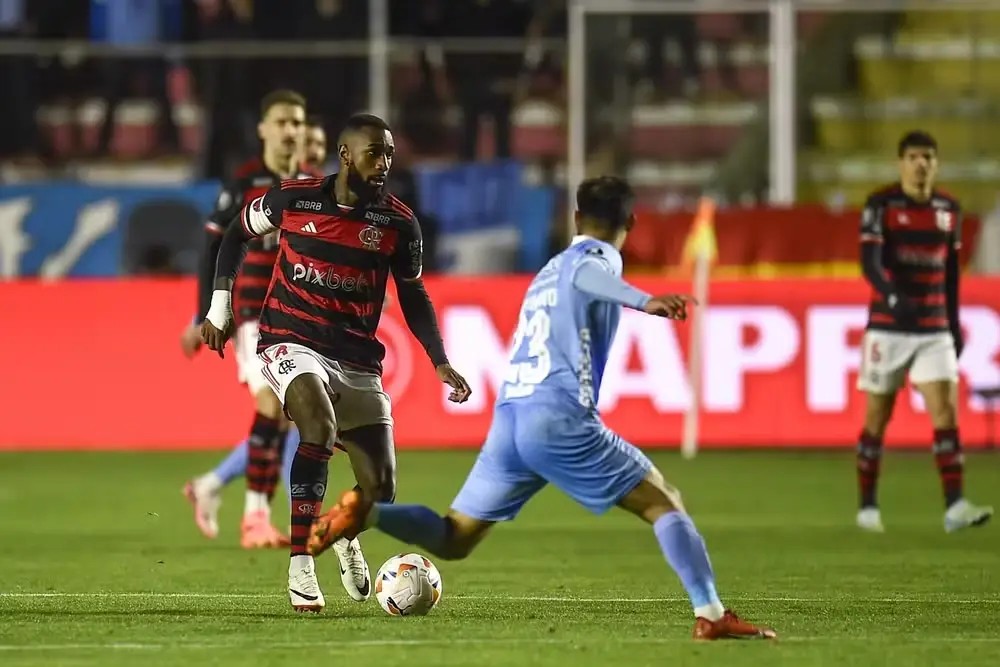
(340, 238)
(910, 236)
(546, 427)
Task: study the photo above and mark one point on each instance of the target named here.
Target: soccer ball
(408, 585)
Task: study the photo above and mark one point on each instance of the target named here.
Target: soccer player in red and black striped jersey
(910, 239)
(204, 491)
(341, 238)
(282, 131)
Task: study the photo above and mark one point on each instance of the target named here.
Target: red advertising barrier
(764, 241)
(97, 365)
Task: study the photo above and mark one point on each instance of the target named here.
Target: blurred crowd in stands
(445, 102)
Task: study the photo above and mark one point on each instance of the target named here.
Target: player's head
(918, 160)
(314, 148)
(282, 123)
(365, 148)
(604, 209)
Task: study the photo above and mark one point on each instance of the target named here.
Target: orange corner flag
(701, 241)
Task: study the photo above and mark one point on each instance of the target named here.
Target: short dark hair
(606, 199)
(315, 121)
(360, 121)
(282, 96)
(916, 139)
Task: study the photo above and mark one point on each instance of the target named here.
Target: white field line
(341, 646)
(111, 595)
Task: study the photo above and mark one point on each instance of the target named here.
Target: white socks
(256, 502)
(712, 612)
(298, 563)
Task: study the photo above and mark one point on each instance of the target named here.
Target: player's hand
(671, 306)
(191, 341)
(214, 338)
(460, 390)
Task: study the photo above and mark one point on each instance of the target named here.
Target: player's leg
(267, 435)
(497, 487)
(600, 470)
(204, 492)
(885, 358)
(299, 378)
(683, 547)
(365, 422)
(935, 375)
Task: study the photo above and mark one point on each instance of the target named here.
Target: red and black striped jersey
(250, 181)
(916, 239)
(328, 283)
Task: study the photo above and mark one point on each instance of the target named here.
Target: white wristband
(220, 312)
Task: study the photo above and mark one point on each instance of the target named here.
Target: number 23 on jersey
(531, 361)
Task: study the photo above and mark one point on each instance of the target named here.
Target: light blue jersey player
(546, 429)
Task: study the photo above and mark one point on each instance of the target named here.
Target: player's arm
(872, 243)
(418, 311)
(952, 278)
(598, 276)
(227, 208)
(256, 218)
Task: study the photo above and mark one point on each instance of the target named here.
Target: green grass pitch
(100, 564)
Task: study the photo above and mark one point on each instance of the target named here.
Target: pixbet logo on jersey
(329, 278)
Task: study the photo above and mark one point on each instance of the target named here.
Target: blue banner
(489, 222)
(66, 229)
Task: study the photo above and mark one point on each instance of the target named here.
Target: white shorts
(358, 397)
(247, 363)
(887, 357)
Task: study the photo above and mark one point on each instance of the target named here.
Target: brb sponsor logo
(329, 278)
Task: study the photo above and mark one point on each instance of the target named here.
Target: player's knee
(878, 412)
(317, 425)
(320, 429)
(653, 498)
(943, 412)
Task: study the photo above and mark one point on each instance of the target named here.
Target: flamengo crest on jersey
(563, 335)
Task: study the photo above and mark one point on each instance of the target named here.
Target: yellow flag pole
(700, 251)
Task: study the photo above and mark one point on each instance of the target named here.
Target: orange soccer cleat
(730, 626)
(346, 515)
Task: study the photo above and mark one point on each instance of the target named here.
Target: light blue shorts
(529, 447)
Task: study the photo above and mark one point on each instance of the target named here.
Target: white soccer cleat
(206, 500)
(870, 519)
(963, 514)
(354, 572)
(303, 587)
